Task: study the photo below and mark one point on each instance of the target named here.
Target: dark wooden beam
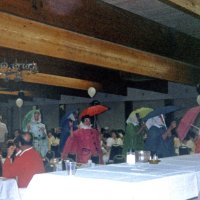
(60, 67)
(19, 33)
(38, 90)
(151, 85)
(98, 19)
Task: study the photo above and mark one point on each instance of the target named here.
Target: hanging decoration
(19, 102)
(91, 91)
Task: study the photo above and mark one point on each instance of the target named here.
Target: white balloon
(91, 91)
(19, 102)
(198, 99)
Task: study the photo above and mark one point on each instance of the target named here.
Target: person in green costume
(134, 134)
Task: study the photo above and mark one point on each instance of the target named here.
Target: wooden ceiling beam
(109, 23)
(38, 90)
(27, 35)
(59, 81)
(15, 93)
(190, 6)
(59, 67)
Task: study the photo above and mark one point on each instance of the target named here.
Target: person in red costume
(25, 164)
(84, 142)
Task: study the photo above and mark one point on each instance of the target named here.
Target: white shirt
(110, 141)
(3, 132)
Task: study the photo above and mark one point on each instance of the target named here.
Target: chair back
(72, 157)
(50, 155)
(115, 150)
(183, 150)
(95, 159)
(119, 159)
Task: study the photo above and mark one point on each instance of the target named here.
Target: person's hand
(173, 125)
(10, 151)
(70, 124)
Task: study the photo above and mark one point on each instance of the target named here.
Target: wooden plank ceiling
(78, 44)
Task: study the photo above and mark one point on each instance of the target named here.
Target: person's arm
(142, 128)
(71, 128)
(9, 168)
(168, 132)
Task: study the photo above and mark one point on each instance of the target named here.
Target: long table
(174, 178)
(9, 189)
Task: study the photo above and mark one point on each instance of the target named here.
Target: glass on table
(70, 167)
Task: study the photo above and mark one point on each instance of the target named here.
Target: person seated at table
(114, 139)
(159, 138)
(177, 142)
(84, 142)
(189, 142)
(26, 164)
(53, 143)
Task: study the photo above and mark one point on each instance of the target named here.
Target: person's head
(132, 119)
(17, 132)
(49, 133)
(25, 139)
(113, 134)
(71, 122)
(37, 116)
(159, 120)
(86, 120)
(121, 133)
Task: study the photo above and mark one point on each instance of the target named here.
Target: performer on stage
(38, 130)
(84, 142)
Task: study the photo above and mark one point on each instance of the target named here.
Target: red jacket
(25, 165)
(85, 143)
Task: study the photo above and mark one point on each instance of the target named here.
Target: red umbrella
(187, 121)
(94, 110)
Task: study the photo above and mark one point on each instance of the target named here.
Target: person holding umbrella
(135, 130)
(84, 142)
(134, 134)
(159, 138)
(68, 124)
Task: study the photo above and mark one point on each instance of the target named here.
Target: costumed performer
(38, 130)
(159, 138)
(84, 142)
(69, 123)
(134, 134)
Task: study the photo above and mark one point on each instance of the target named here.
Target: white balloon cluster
(91, 91)
(19, 102)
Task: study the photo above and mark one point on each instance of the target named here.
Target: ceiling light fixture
(17, 69)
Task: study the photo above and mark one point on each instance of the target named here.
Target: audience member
(189, 142)
(27, 163)
(17, 132)
(53, 143)
(114, 139)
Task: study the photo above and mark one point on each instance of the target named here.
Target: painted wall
(114, 118)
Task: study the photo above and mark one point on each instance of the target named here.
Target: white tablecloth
(175, 178)
(9, 189)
